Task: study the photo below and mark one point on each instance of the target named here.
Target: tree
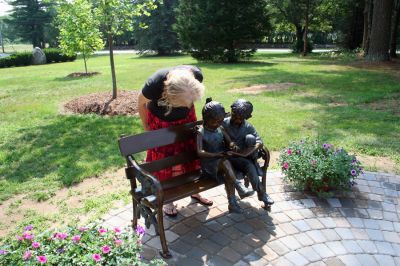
(395, 29)
(379, 41)
(29, 18)
(304, 15)
(117, 16)
(218, 30)
(79, 29)
(158, 34)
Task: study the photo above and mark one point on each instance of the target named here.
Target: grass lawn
(42, 150)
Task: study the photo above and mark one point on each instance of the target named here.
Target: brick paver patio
(353, 228)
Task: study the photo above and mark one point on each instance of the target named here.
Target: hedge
(53, 55)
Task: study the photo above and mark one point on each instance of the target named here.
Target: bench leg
(135, 214)
(165, 252)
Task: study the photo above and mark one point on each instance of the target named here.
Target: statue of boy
(212, 148)
(247, 144)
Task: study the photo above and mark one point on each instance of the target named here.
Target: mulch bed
(103, 104)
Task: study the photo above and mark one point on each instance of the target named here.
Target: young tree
(158, 34)
(116, 17)
(29, 18)
(218, 30)
(79, 29)
(379, 43)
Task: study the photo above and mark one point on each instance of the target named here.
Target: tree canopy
(219, 30)
(79, 29)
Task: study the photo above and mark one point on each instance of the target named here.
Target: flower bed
(318, 167)
(75, 246)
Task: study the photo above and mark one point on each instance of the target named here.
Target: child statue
(213, 148)
(247, 143)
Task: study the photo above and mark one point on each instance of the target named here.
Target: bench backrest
(131, 145)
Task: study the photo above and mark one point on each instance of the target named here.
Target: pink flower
(19, 238)
(27, 255)
(76, 238)
(285, 165)
(289, 151)
(117, 230)
(118, 242)
(106, 249)
(36, 245)
(140, 230)
(28, 235)
(42, 259)
(96, 257)
(28, 228)
(102, 230)
(83, 229)
(61, 236)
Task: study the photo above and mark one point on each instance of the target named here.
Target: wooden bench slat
(177, 193)
(169, 161)
(156, 138)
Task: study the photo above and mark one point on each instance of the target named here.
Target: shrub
(75, 246)
(18, 59)
(311, 165)
(54, 55)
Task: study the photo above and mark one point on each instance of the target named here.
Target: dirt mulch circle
(256, 89)
(82, 74)
(103, 104)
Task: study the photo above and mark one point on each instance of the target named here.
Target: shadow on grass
(67, 150)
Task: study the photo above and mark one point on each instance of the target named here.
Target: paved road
(360, 227)
(259, 50)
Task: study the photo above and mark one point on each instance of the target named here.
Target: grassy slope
(41, 150)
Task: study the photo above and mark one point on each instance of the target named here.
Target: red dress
(170, 150)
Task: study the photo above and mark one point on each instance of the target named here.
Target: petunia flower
(83, 229)
(62, 236)
(3, 252)
(28, 228)
(36, 245)
(117, 230)
(105, 249)
(27, 255)
(76, 238)
(96, 257)
(289, 152)
(19, 238)
(353, 172)
(140, 230)
(285, 165)
(42, 259)
(118, 242)
(102, 230)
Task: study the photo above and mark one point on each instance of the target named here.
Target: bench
(151, 194)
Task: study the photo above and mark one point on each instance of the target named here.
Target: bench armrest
(151, 192)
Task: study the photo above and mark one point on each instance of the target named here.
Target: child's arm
(230, 144)
(201, 152)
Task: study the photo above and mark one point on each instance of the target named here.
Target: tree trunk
(299, 32)
(367, 24)
(1, 41)
(379, 43)
(305, 37)
(394, 30)
(114, 79)
(84, 60)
